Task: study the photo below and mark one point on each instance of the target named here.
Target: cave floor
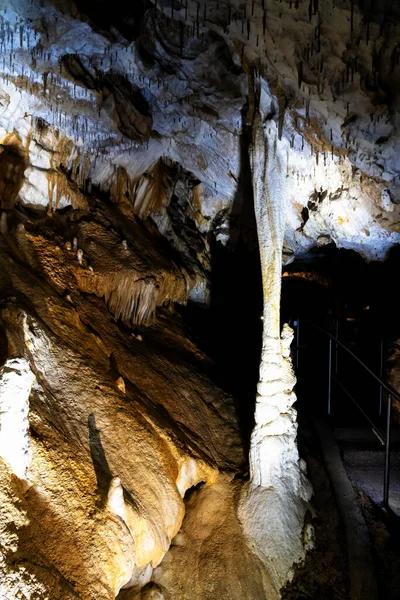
(384, 531)
(364, 460)
(324, 575)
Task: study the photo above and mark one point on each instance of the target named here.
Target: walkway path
(364, 460)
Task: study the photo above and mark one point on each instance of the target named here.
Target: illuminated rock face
(120, 102)
(16, 381)
(122, 151)
(107, 472)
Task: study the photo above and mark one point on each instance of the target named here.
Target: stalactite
(352, 16)
(318, 37)
(300, 74)
(132, 298)
(250, 111)
(283, 103)
(45, 76)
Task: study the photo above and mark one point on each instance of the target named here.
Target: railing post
(380, 385)
(387, 453)
(330, 376)
(337, 347)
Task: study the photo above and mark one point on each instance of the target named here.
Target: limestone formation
(135, 139)
(277, 484)
(16, 381)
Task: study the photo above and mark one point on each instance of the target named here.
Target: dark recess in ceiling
(120, 15)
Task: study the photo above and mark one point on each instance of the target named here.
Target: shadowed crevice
(100, 464)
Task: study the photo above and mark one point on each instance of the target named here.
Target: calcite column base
(276, 499)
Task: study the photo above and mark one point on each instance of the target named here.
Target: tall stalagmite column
(274, 509)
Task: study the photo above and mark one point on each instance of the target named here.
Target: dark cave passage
(336, 283)
(341, 293)
(356, 302)
(230, 328)
(335, 289)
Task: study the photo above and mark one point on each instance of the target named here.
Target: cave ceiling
(104, 93)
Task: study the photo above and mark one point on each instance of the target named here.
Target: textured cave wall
(172, 85)
(120, 426)
(121, 156)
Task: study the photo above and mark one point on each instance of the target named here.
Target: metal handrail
(376, 431)
(392, 393)
(386, 386)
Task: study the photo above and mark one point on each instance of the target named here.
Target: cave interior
(199, 334)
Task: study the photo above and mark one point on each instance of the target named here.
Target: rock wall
(121, 425)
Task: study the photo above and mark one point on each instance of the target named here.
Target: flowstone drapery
(274, 508)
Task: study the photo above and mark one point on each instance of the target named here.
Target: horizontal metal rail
(381, 437)
(376, 431)
(392, 393)
(385, 386)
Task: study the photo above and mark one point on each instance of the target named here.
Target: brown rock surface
(110, 461)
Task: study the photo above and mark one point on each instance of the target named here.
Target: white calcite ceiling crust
(175, 87)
